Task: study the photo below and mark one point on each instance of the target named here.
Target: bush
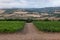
(29, 20)
(46, 20)
(59, 20)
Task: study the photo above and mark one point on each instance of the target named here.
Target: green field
(11, 26)
(48, 26)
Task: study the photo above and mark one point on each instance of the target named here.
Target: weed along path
(30, 33)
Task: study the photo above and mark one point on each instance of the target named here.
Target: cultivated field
(11, 26)
(48, 26)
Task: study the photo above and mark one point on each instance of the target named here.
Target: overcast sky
(28, 3)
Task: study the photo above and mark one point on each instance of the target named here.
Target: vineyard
(11, 26)
(48, 26)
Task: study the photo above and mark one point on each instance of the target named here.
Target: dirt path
(30, 28)
(30, 33)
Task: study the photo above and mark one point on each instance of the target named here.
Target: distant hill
(47, 9)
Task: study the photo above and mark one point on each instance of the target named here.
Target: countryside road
(30, 32)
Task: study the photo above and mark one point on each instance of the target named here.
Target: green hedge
(12, 20)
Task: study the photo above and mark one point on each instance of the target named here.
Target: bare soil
(30, 33)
